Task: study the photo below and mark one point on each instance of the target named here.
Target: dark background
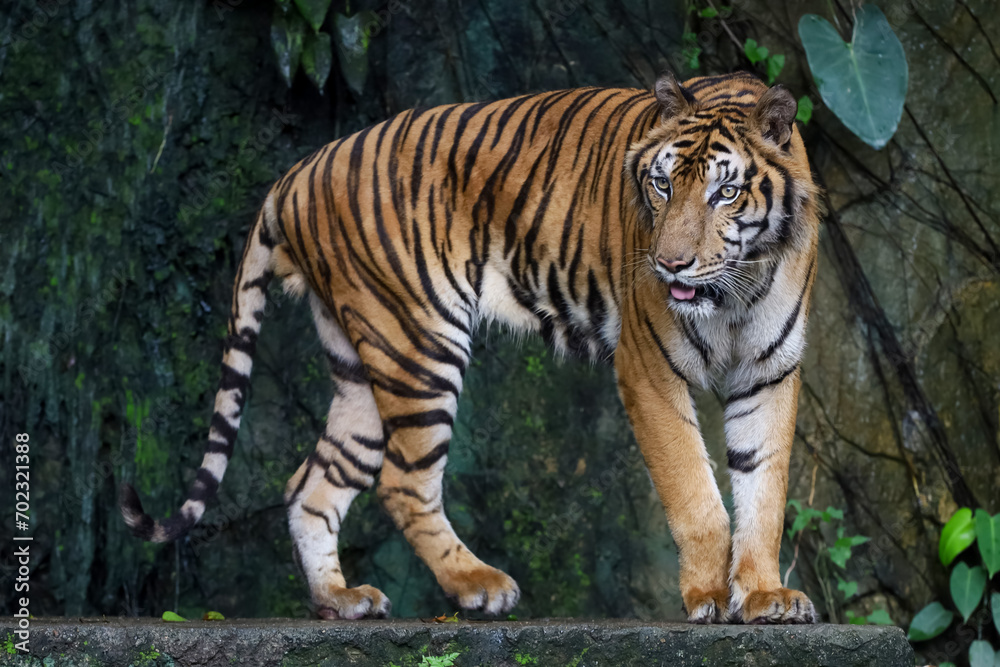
(138, 139)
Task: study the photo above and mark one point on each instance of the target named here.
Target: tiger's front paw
(704, 607)
(352, 603)
(779, 606)
(482, 588)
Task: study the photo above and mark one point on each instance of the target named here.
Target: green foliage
(446, 660)
(805, 110)
(958, 534)
(172, 617)
(967, 587)
(317, 58)
(809, 520)
(877, 617)
(690, 50)
(981, 654)
(929, 622)
(773, 63)
(352, 48)
(314, 11)
(988, 538)
(862, 81)
(967, 583)
(298, 40)
(287, 36)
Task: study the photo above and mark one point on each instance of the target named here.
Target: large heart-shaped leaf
(929, 622)
(956, 536)
(862, 81)
(981, 654)
(967, 587)
(314, 11)
(351, 37)
(988, 537)
(287, 32)
(317, 57)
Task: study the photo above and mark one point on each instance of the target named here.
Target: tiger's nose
(675, 265)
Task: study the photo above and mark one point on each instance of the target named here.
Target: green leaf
(213, 616)
(351, 38)
(287, 32)
(967, 587)
(854, 619)
(848, 588)
(774, 66)
(314, 11)
(171, 617)
(840, 552)
(805, 112)
(988, 536)
(863, 81)
(754, 53)
(317, 58)
(709, 13)
(839, 555)
(946, 664)
(995, 608)
(956, 536)
(929, 622)
(831, 512)
(981, 654)
(880, 617)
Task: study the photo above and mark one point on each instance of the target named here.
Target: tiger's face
(715, 182)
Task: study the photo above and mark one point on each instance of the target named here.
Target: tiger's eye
(729, 191)
(662, 183)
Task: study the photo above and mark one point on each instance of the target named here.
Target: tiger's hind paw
(352, 603)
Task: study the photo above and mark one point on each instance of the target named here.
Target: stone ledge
(545, 643)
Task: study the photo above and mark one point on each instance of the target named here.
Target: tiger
(671, 232)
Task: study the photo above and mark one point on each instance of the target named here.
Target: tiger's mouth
(687, 293)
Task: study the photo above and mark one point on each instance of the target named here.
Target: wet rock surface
(259, 642)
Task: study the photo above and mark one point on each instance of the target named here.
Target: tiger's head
(720, 181)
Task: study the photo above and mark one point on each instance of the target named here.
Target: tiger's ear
(774, 114)
(673, 98)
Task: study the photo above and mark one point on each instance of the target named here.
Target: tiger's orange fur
(604, 219)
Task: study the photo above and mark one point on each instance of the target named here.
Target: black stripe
(418, 420)
(223, 428)
(786, 330)
(422, 463)
(345, 479)
(204, 487)
(752, 391)
(341, 447)
(663, 351)
(314, 512)
(741, 461)
(233, 379)
(369, 443)
(348, 371)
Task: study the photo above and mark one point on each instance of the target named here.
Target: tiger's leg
(417, 378)
(661, 410)
(346, 460)
(760, 427)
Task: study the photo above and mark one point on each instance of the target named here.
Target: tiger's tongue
(682, 293)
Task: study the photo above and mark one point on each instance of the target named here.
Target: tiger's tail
(249, 298)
